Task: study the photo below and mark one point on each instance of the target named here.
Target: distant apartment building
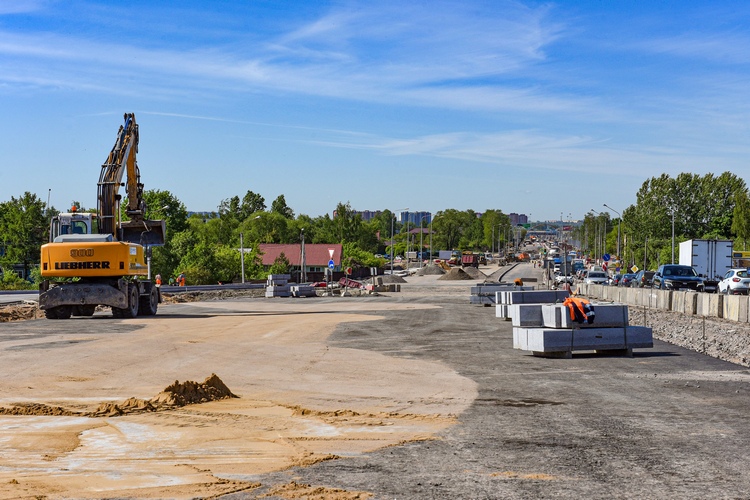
(416, 218)
(516, 219)
(368, 214)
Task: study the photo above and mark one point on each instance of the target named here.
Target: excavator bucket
(143, 232)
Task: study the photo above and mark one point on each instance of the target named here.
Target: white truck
(711, 259)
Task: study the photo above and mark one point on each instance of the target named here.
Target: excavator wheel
(149, 303)
(59, 312)
(132, 310)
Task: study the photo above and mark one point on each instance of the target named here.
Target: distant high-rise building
(516, 219)
(416, 217)
(368, 214)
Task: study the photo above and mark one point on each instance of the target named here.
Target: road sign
(330, 252)
(604, 265)
(348, 270)
(617, 269)
(634, 269)
(331, 264)
(606, 257)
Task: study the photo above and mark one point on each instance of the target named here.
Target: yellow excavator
(97, 258)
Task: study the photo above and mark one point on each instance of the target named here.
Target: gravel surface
(666, 423)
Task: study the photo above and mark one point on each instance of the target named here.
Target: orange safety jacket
(581, 310)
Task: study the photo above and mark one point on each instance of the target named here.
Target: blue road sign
(331, 264)
(606, 257)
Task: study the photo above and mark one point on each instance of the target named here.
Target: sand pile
(176, 395)
(392, 278)
(430, 269)
(456, 274)
(189, 392)
(474, 272)
(20, 312)
(38, 409)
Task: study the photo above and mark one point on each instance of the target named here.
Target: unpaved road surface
(409, 395)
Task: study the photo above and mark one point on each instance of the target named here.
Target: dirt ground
(414, 394)
(300, 400)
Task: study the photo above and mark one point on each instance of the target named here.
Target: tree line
(688, 206)
(206, 246)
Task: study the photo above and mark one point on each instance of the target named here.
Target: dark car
(643, 279)
(676, 277)
(626, 279)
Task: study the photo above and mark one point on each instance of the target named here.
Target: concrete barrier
(735, 308)
(545, 340)
(527, 315)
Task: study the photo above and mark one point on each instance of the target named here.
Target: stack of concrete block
(486, 293)
(508, 298)
(547, 330)
(377, 285)
(302, 291)
(277, 285)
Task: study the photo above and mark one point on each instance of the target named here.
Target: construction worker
(158, 280)
(181, 279)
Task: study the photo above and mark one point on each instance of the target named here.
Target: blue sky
(530, 107)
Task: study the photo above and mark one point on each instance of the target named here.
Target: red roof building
(317, 255)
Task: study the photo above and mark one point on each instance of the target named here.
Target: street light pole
(393, 216)
(421, 237)
(242, 258)
(619, 221)
(672, 234)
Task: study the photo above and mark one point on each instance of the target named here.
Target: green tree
(23, 230)
(280, 265)
(280, 207)
(741, 219)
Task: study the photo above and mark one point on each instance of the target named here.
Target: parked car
(626, 279)
(643, 279)
(614, 280)
(596, 278)
(735, 282)
(676, 277)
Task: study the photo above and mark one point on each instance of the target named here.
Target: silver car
(735, 282)
(597, 278)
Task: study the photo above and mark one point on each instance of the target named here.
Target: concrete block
(501, 311)
(302, 291)
(532, 296)
(520, 338)
(485, 300)
(663, 299)
(280, 277)
(528, 315)
(735, 307)
(597, 339)
(715, 305)
(699, 298)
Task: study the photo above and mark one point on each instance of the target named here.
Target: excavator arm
(121, 160)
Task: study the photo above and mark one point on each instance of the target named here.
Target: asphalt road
(667, 423)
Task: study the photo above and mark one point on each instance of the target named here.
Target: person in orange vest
(581, 310)
(158, 280)
(181, 279)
